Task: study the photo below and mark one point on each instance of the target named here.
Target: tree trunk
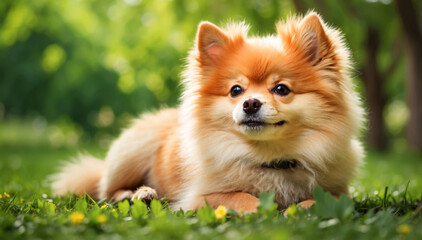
(375, 96)
(413, 36)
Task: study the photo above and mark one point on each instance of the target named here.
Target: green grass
(383, 203)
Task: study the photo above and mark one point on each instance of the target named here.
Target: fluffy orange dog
(258, 114)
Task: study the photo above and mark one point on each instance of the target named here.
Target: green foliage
(206, 214)
(124, 207)
(28, 221)
(327, 206)
(266, 203)
(46, 207)
(156, 208)
(81, 205)
(97, 63)
(139, 209)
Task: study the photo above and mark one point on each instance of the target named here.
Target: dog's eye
(236, 91)
(281, 90)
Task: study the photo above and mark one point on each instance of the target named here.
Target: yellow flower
(103, 206)
(6, 195)
(220, 212)
(1, 196)
(77, 217)
(404, 229)
(113, 210)
(291, 211)
(102, 218)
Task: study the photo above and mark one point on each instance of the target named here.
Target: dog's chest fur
(289, 185)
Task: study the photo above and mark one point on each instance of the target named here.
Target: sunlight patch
(53, 57)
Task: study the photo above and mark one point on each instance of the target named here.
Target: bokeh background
(74, 72)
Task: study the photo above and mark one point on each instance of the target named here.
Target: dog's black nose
(251, 106)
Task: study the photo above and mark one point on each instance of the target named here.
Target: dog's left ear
(211, 43)
(312, 39)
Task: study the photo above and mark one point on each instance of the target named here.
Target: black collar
(280, 164)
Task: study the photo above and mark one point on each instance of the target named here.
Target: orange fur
(203, 149)
(242, 202)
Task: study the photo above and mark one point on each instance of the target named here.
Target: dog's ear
(211, 43)
(312, 39)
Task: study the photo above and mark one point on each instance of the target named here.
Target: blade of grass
(10, 203)
(405, 193)
(92, 200)
(385, 199)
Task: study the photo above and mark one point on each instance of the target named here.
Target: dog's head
(274, 87)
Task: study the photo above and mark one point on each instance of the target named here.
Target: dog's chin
(260, 130)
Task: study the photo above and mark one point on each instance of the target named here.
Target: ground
(382, 205)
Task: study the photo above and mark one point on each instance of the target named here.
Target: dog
(258, 114)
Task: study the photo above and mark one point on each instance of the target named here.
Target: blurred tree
(374, 87)
(412, 30)
(373, 76)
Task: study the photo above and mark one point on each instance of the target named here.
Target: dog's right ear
(312, 38)
(211, 43)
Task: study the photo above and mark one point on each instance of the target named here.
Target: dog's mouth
(257, 124)
(282, 122)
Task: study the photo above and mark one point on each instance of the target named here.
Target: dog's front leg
(307, 203)
(238, 201)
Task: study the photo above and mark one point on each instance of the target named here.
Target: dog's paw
(144, 193)
(307, 203)
(122, 195)
(304, 204)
